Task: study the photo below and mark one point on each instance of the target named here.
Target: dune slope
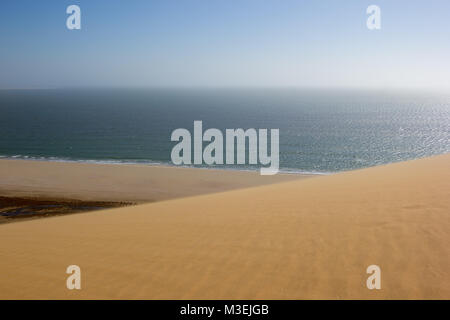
(305, 239)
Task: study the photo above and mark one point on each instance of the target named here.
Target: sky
(224, 43)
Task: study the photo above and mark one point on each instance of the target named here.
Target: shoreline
(161, 164)
(234, 168)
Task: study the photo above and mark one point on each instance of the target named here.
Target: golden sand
(305, 239)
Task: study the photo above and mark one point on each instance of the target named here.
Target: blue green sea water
(321, 130)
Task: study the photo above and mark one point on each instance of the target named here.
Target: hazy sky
(224, 43)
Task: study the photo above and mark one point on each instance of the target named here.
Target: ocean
(321, 130)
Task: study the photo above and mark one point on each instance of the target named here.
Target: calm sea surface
(321, 131)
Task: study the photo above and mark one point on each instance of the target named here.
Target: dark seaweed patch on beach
(19, 208)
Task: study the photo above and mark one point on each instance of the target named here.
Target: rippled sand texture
(312, 238)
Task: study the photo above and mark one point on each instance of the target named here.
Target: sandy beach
(300, 239)
(35, 189)
(121, 182)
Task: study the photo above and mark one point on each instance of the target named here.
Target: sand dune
(306, 239)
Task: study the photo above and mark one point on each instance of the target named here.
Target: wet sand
(21, 209)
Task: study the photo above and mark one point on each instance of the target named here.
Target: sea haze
(321, 131)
